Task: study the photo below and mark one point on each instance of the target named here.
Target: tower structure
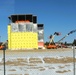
(23, 32)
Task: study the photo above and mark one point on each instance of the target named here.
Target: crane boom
(67, 35)
(51, 40)
(52, 36)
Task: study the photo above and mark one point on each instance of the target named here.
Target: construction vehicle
(1, 46)
(4, 45)
(59, 44)
(51, 44)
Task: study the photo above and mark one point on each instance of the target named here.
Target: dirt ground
(20, 61)
(38, 50)
(38, 62)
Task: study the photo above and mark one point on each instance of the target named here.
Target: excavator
(51, 44)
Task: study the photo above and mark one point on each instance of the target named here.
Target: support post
(74, 59)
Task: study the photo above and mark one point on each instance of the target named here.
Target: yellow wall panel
(22, 40)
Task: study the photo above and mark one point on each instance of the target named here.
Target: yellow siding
(22, 40)
(9, 37)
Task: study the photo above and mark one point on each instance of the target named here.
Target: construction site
(27, 54)
(25, 33)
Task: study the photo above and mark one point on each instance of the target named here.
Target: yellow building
(22, 40)
(23, 32)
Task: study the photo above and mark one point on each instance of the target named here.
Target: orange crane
(51, 44)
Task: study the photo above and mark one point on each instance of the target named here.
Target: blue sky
(56, 15)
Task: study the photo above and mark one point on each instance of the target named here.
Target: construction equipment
(51, 44)
(61, 44)
(67, 35)
(1, 46)
(4, 45)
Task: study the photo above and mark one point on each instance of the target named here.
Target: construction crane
(51, 43)
(61, 44)
(67, 35)
(52, 36)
